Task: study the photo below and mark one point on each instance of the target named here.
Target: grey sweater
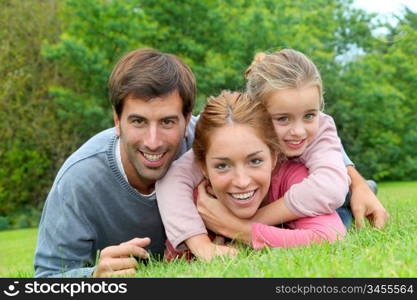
(92, 206)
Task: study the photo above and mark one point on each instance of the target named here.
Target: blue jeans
(345, 211)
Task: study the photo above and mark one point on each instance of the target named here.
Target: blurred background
(56, 56)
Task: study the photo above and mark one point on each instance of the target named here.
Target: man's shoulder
(90, 156)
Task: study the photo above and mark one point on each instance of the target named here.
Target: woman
(237, 151)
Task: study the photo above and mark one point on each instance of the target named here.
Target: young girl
(290, 87)
(236, 149)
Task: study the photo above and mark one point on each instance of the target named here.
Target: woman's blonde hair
(284, 69)
(233, 108)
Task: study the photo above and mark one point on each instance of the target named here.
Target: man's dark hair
(148, 73)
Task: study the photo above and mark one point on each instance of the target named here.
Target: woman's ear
(275, 158)
(203, 169)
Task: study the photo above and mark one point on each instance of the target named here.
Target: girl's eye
(310, 116)
(282, 119)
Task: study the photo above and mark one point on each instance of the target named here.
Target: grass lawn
(390, 252)
(16, 252)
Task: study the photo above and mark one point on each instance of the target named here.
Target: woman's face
(238, 165)
(295, 115)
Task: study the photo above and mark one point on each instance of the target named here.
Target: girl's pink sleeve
(326, 187)
(303, 231)
(174, 193)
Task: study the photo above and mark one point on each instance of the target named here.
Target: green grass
(390, 252)
(16, 252)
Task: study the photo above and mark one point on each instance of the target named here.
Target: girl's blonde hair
(233, 108)
(284, 69)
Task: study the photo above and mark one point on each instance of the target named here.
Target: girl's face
(295, 115)
(238, 165)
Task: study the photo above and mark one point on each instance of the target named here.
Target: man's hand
(219, 219)
(364, 203)
(119, 260)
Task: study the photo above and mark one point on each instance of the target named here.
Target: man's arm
(65, 246)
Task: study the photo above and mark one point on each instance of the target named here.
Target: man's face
(150, 137)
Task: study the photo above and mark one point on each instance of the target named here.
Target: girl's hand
(219, 219)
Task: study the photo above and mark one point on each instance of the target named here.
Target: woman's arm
(303, 231)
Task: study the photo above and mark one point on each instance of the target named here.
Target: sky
(386, 7)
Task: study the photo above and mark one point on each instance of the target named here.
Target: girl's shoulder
(326, 120)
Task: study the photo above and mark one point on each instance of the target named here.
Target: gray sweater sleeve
(65, 239)
(346, 159)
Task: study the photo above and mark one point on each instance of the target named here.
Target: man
(102, 204)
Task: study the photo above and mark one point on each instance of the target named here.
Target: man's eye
(138, 121)
(167, 122)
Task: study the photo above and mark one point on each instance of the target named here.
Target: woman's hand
(219, 219)
(205, 249)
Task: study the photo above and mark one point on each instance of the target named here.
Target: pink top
(320, 193)
(302, 231)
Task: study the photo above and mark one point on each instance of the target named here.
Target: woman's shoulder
(290, 172)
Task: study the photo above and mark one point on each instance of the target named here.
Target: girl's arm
(174, 193)
(323, 190)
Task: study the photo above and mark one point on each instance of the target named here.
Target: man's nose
(153, 138)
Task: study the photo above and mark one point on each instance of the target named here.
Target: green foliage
(56, 57)
(376, 106)
(29, 134)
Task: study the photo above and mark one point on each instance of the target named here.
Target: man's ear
(116, 122)
(187, 121)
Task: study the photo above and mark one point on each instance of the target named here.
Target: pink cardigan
(320, 193)
(303, 231)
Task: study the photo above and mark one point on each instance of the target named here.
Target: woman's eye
(256, 161)
(221, 166)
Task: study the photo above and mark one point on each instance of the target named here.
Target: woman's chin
(245, 214)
